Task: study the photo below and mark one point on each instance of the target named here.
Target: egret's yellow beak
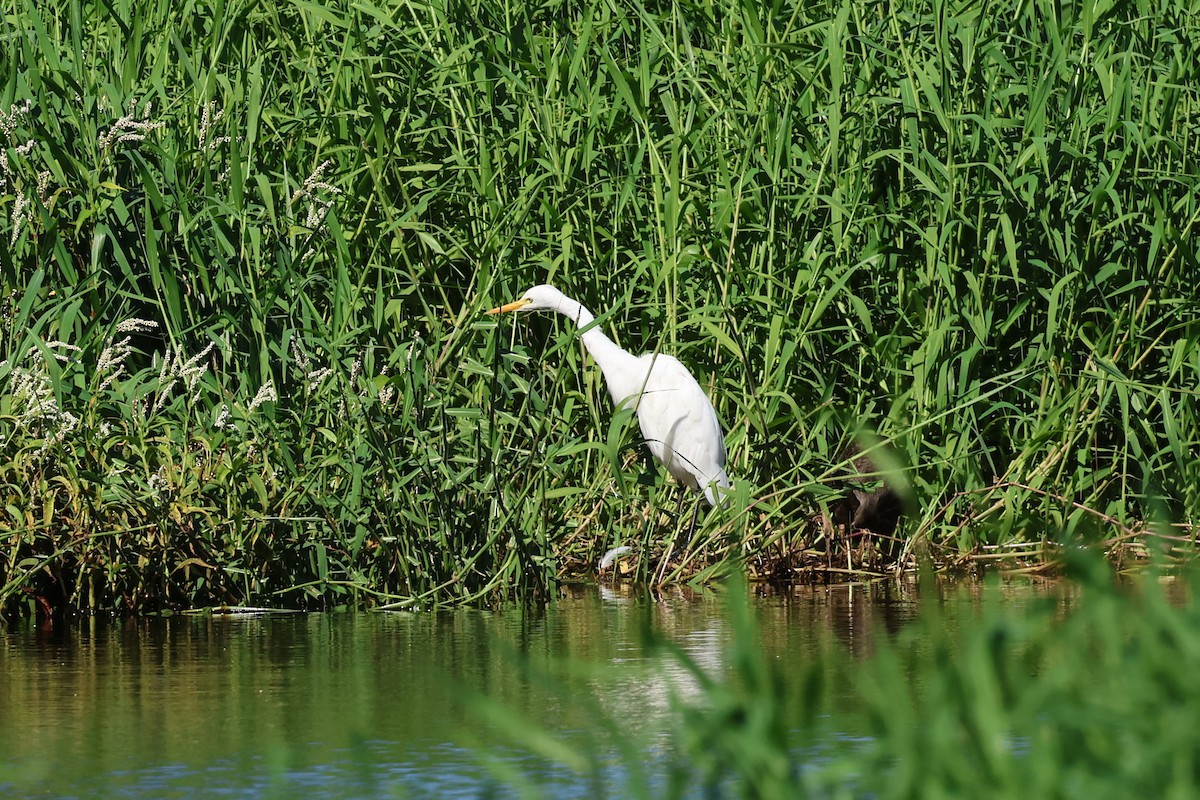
(513, 306)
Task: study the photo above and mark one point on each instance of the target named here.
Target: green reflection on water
(372, 704)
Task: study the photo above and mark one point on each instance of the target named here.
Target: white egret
(678, 422)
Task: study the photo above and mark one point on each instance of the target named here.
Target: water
(384, 704)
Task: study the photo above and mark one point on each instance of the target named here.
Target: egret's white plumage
(678, 422)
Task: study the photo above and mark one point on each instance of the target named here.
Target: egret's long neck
(605, 351)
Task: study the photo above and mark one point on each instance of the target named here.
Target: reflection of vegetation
(988, 694)
(965, 228)
(1096, 700)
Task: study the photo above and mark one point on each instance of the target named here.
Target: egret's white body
(678, 422)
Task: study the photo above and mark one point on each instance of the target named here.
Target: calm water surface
(383, 704)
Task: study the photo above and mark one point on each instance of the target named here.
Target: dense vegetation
(245, 246)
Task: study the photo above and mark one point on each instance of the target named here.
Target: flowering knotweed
(209, 118)
(166, 381)
(315, 377)
(20, 213)
(135, 325)
(34, 406)
(43, 186)
(17, 113)
(112, 358)
(175, 369)
(191, 371)
(63, 357)
(301, 358)
(316, 182)
(386, 393)
(64, 424)
(129, 128)
(265, 394)
(312, 374)
(318, 205)
(32, 395)
(111, 361)
(158, 483)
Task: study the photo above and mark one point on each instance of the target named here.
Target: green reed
(960, 231)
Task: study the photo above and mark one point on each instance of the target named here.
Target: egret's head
(539, 297)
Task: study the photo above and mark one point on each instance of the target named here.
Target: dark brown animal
(861, 515)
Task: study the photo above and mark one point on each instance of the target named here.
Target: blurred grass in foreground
(959, 234)
(1093, 701)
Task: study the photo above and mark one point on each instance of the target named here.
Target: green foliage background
(966, 228)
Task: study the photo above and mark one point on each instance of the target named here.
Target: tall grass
(960, 231)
